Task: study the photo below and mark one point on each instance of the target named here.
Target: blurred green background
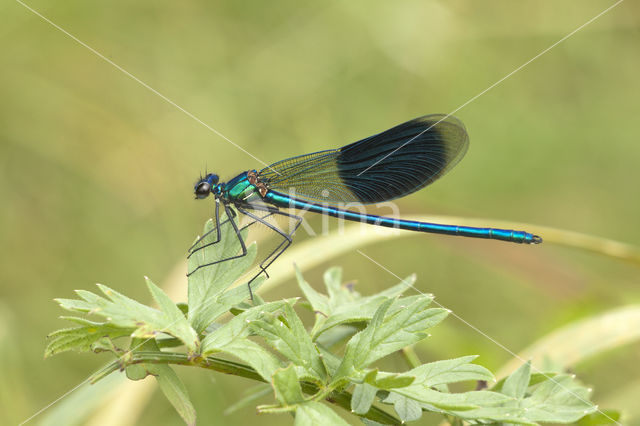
(97, 171)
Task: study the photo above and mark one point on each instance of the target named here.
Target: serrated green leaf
(74, 305)
(557, 400)
(203, 281)
(234, 297)
(388, 322)
(291, 339)
(175, 391)
(453, 401)
(172, 387)
(287, 387)
(124, 312)
(83, 338)
(253, 354)
(560, 400)
(238, 326)
(231, 338)
(315, 413)
(408, 410)
(534, 379)
(319, 302)
(122, 308)
(207, 285)
(388, 333)
(344, 305)
(214, 304)
(90, 297)
(333, 281)
(387, 381)
(81, 321)
(124, 315)
(517, 383)
(362, 398)
(179, 325)
(105, 344)
(449, 371)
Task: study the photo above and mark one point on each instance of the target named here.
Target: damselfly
(380, 168)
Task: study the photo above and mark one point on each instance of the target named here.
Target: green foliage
(334, 360)
(208, 295)
(168, 380)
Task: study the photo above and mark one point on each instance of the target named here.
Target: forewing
(382, 167)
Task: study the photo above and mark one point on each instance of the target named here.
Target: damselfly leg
(284, 244)
(216, 215)
(249, 210)
(230, 218)
(195, 248)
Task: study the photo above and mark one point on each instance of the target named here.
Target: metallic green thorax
(240, 189)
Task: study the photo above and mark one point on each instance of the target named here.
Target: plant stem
(340, 398)
(411, 357)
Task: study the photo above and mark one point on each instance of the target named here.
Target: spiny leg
(285, 242)
(216, 215)
(281, 247)
(230, 215)
(217, 228)
(255, 221)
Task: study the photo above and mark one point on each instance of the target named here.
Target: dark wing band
(382, 167)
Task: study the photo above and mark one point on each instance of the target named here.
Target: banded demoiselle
(382, 167)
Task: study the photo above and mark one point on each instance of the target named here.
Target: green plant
(334, 360)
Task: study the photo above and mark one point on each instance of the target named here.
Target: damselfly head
(203, 186)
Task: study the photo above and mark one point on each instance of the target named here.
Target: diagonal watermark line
(495, 84)
(119, 359)
(88, 379)
(52, 403)
(260, 161)
(485, 335)
(133, 77)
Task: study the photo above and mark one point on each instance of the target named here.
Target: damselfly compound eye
(202, 190)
